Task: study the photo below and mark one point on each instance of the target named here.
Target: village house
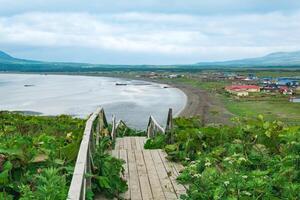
(287, 82)
(242, 90)
(285, 90)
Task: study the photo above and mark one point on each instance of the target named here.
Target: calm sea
(80, 95)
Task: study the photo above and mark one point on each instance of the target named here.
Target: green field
(280, 110)
(272, 107)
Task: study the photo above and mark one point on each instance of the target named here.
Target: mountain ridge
(272, 59)
(4, 55)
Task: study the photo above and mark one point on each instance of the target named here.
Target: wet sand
(203, 104)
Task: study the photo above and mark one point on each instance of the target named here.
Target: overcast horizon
(148, 31)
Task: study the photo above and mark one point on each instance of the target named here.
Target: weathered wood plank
(135, 189)
(123, 155)
(138, 143)
(156, 188)
(163, 176)
(115, 153)
(127, 143)
(80, 182)
(117, 143)
(143, 176)
(121, 143)
(133, 143)
(180, 189)
(178, 167)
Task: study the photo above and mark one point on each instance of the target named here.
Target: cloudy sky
(148, 31)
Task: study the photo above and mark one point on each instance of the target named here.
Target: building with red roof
(242, 90)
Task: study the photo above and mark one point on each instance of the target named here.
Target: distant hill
(8, 59)
(4, 57)
(273, 59)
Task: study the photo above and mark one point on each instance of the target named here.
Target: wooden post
(169, 120)
(98, 130)
(169, 127)
(149, 128)
(113, 130)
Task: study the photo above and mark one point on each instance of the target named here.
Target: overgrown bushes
(37, 157)
(31, 148)
(107, 173)
(252, 159)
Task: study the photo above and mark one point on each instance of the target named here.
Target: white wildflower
(226, 183)
(227, 159)
(197, 175)
(247, 193)
(242, 159)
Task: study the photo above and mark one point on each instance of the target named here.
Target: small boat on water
(121, 84)
(28, 85)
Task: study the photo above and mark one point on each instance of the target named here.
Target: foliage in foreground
(253, 159)
(50, 184)
(106, 175)
(157, 142)
(37, 156)
(31, 145)
(127, 131)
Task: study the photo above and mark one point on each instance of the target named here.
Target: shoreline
(203, 104)
(199, 103)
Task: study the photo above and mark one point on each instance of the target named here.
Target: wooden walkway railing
(155, 128)
(80, 182)
(90, 139)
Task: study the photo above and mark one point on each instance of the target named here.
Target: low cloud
(197, 37)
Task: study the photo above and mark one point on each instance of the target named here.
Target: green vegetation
(106, 179)
(157, 142)
(282, 110)
(37, 156)
(252, 159)
(275, 73)
(33, 148)
(127, 131)
(271, 106)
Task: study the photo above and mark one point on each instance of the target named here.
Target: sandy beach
(203, 104)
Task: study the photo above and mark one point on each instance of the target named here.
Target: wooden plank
(123, 155)
(133, 143)
(138, 143)
(117, 143)
(127, 142)
(156, 188)
(143, 141)
(165, 181)
(143, 176)
(180, 189)
(135, 189)
(178, 167)
(115, 153)
(78, 183)
(124, 143)
(121, 143)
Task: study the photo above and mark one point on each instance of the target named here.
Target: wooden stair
(148, 173)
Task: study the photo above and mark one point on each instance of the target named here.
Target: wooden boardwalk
(148, 173)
